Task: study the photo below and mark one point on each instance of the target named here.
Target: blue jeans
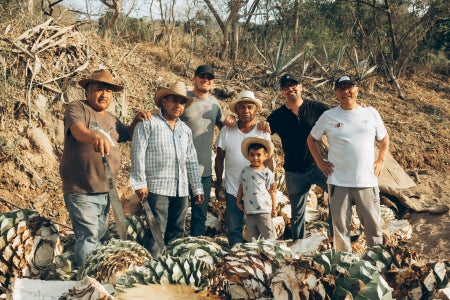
(89, 215)
(170, 213)
(235, 220)
(298, 185)
(200, 211)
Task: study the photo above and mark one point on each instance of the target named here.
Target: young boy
(256, 194)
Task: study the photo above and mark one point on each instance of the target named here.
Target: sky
(141, 7)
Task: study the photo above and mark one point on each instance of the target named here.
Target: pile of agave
(32, 247)
(29, 244)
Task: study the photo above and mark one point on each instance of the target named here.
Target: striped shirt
(164, 160)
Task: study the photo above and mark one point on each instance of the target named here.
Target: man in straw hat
(164, 164)
(229, 155)
(91, 132)
(257, 191)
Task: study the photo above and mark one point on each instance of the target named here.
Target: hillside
(31, 136)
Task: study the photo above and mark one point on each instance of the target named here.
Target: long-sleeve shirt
(164, 160)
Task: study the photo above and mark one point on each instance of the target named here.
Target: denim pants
(298, 185)
(235, 221)
(200, 211)
(170, 213)
(89, 215)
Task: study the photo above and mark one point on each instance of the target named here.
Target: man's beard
(203, 90)
(292, 96)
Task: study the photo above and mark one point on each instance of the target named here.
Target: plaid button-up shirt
(164, 160)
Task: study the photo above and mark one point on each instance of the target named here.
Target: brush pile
(39, 46)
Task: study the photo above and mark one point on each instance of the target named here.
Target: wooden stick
(19, 46)
(36, 29)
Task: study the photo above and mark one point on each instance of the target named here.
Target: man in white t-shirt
(229, 155)
(351, 168)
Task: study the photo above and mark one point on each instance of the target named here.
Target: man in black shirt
(293, 122)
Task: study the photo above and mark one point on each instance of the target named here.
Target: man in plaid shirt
(164, 164)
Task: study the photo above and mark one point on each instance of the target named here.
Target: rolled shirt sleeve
(138, 158)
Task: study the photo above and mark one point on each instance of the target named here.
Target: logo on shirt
(93, 125)
(365, 122)
(339, 124)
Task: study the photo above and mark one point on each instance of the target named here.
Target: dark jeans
(89, 215)
(200, 211)
(235, 221)
(298, 185)
(170, 213)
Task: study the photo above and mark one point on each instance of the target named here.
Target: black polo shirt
(294, 130)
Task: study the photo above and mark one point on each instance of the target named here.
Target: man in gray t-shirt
(201, 116)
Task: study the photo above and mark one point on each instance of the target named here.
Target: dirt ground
(431, 232)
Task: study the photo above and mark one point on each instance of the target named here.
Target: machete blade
(154, 226)
(116, 205)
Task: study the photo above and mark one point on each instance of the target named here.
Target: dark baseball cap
(204, 69)
(343, 80)
(286, 78)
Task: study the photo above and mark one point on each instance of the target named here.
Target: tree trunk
(235, 38)
(249, 15)
(225, 41)
(395, 82)
(296, 21)
(115, 5)
(394, 49)
(359, 22)
(225, 27)
(117, 10)
(31, 7)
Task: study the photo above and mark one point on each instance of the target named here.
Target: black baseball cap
(343, 80)
(287, 78)
(204, 69)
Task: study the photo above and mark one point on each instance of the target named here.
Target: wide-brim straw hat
(100, 76)
(245, 96)
(177, 88)
(257, 140)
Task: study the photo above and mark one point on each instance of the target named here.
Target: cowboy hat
(245, 96)
(100, 76)
(175, 89)
(256, 140)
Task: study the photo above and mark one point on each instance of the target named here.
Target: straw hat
(256, 140)
(245, 96)
(100, 76)
(176, 89)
